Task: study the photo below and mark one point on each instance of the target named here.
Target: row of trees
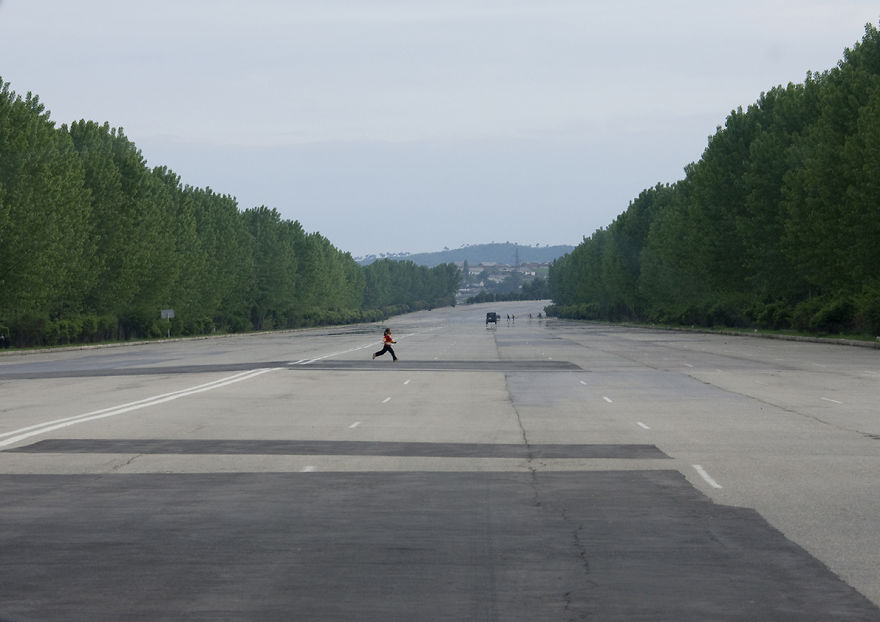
(776, 226)
(93, 243)
(535, 289)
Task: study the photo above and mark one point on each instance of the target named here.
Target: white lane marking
(327, 356)
(583, 383)
(372, 344)
(57, 424)
(702, 472)
(406, 382)
(607, 399)
(386, 400)
(688, 365)
(354, 425)
(642, 425)
(828, 399)
(308, 469)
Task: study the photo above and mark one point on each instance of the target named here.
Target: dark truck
(492, 317)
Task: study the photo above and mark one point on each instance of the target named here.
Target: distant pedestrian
(387, 341)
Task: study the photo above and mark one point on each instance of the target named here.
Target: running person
(387, 340)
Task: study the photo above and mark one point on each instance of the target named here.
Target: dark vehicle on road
(491, 317)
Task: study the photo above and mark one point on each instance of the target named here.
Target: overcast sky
(413, 125)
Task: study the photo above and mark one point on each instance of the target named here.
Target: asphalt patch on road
(611, 546)
(33, 372)
(341, 448)
(502, 366)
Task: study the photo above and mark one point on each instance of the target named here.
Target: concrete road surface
(529, 470)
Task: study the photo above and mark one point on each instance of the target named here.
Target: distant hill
(506, 253)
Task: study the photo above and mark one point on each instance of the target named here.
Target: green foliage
(393, 284)
(775, 226)
(867, 312)
(46, 242)
(93, 243)
(536, 289)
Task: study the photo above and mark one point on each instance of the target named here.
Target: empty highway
(530, 470)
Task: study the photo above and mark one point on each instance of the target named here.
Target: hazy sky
(410, 125)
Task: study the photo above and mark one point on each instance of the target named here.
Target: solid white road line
(706, 476)
(57, 424)
(372, 344)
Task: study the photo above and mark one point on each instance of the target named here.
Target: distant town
(503, 253)
(490, 271)
(497, 278)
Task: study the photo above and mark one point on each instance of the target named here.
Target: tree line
(777, 225)
(94, 243)
(535, 289)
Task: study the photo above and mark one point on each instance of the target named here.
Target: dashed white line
(828, 399)
(708, 478)
(354, 425)
(642, 425)
(386, 400)
(308, 469)
(688, 365)
(406, 382)
(583, 383)
(607, 399)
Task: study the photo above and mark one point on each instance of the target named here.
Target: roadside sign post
(167, 314)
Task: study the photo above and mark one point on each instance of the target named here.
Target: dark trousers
(387, 348)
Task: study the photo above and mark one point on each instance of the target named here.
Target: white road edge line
(702, 472)
(49, 426)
